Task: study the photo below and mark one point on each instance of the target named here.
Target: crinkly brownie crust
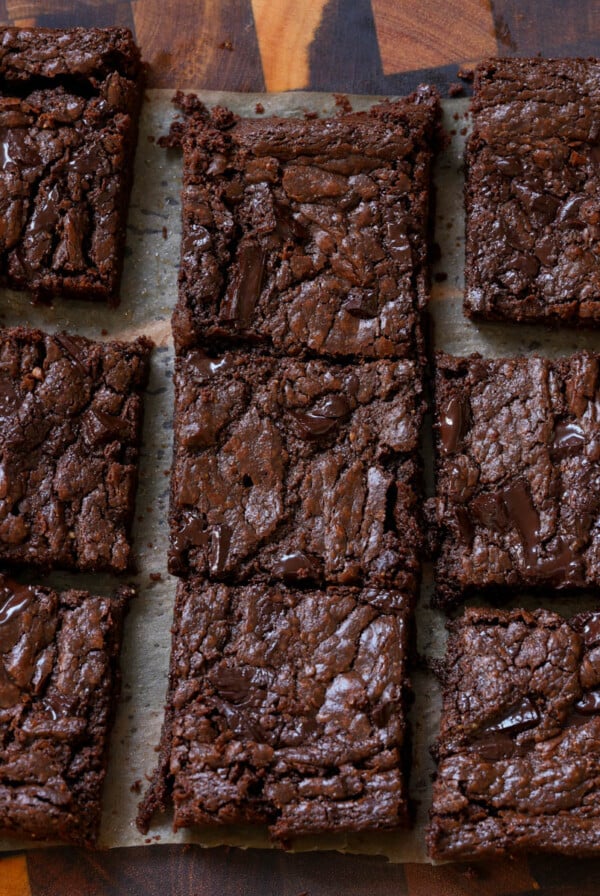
(285, 707)
(296, 470)
(518, 475)
(533, 192)
(71, 415)
(69, 105)
(307, 236)
(519, 748)
(59, 682)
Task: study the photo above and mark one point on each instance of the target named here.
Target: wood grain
(285, 31)
(418, 35)
(210, 45)
(484, 879)
(14, 880)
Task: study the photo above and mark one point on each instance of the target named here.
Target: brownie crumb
(466, 74)
(259, 109)
(456, 90)
(342, 102)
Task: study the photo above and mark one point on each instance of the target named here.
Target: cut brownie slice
(307, 235)
(533, 192)
(69, 102)
(296, 470)
(285, 707)
(518, 474)
(71, 416)
(59, 681)
(519, 749)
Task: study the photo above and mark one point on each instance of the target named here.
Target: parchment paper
(148, 294)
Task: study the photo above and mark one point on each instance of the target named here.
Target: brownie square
(296, 470)
(519, 748)
(306, 235)
(69, 103)
(70, 427)
(285, 707)
(59, 682)
(533, 192)
(518, 474)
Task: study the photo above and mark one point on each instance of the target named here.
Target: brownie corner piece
(533, 192)
(517, 475)
(308, 236)
(296, 470)
(71, 412)
(285, 707)
(68, 111)
(59, 683)
(518, 751)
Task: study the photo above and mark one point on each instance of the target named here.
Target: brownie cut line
(533, 192)
(309, 237)
(69, 105)
(59, 683)
(518, 752)
(517, 475)
(70, 429)
(296, 471)
(285, 707)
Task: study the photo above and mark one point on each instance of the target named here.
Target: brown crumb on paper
(259, 109)
(342, 102)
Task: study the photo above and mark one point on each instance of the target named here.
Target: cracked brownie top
(71, 415)
(296, 470)
(68, 120)
(518, 474)
(58, 685)
(286, 707)
(519, 755)
(309, 236)
(533, 191)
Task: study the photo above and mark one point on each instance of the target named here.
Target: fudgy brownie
(69, 103)
(59, 681)
(296, 470)
(309, 236)
(70, 427)
(285, 707)
(519, 749)
(533, 192)
(518, 474)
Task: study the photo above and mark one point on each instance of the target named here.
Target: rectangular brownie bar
(69, 102)
(533, 192)
(70, 428)
(296, 470)
(518, 474)
(308, 236)
(59, 682)
(518, 752)
(285, 707)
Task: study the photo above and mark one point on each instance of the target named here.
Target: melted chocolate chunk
(569, 439)
(298, 567)
(454, 421)
(519, 718)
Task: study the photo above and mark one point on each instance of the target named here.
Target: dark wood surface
(353, 46)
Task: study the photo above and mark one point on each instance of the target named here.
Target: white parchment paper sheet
(148, 292)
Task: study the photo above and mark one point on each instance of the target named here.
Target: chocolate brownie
(285, 707)
(59, 681)
(69, 103)
(519, 748)
(296, 470)
(533, 192)
(309, 236)
(70, 427)
(518, 474)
